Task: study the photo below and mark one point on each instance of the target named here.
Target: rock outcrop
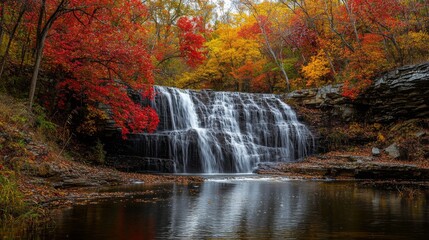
(399, 94)
(346, 167)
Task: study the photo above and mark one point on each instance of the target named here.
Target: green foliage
(12, 203)
(99, 153)
(17, 217)
(289, 65)
(42, 122)
(19, 119)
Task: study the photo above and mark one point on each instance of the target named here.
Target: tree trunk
(24, 51)
(277, 61)
(1, 22)
(39, 54)
(330, 62)
(42, 33)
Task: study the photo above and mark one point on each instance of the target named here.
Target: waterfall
(222, 132)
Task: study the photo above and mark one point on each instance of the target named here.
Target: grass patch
(19, 219)
(13, 207)
(12, 203)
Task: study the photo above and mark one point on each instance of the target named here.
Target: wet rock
(397, 152)
(348, 112)
(353, 170)
(354, 158)
(265, 166)
(420, 134)
(389, 171)
(78, 182)
(375, 152)
(393, 151)
(399, 94)
(141, 164)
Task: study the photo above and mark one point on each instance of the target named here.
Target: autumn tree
(264, 20)
(105, 55)
(237, 60)
(48, 12)
(16, 14)
(174, 24)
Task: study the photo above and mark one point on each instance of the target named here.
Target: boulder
(420, 134)
(393, 151)
(375, 152)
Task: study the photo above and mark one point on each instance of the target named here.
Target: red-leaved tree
(191, 40)
(103, 51)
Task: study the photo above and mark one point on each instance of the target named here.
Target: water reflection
(250, 209)
(244, 208)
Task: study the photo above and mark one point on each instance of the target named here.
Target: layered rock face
(399, 94)
(214, 132)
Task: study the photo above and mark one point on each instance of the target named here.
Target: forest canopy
(79, 55)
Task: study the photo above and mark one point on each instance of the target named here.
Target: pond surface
(243, 208)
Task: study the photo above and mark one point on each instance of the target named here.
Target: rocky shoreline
(356, 166)
(67, 183)
(77, 183)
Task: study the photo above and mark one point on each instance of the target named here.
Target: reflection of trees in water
(296, 209)
(341, 210)
(253, 209)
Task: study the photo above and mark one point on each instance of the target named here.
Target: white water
(217, 132)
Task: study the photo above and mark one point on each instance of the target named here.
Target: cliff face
(398, 95)
(392, 113)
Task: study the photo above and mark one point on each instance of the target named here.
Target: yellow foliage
(228, 52)
(415, 44)
(377, 126)
(380, 137)
(317, 70)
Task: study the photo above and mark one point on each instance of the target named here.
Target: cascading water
(222, 132)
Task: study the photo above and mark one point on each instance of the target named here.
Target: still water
(249, 208)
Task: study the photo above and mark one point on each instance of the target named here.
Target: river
(248, 208)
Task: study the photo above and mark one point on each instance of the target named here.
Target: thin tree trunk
(11, 37)
(273, 54)
(42, 33)
(277, 61)
(24, 50)
(1, 22)
(330, 17)
(330, 63)
(352, 19)
(39, 54)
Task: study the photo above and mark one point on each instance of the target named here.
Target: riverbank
(378, 171)
(76, 183)
(41, 169)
